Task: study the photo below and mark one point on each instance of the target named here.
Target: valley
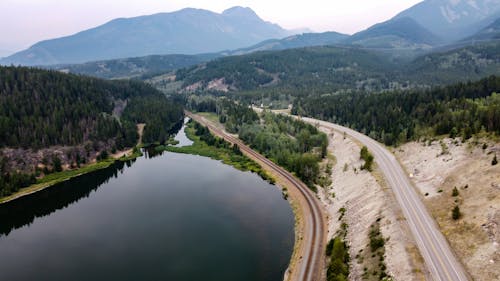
(212, 143)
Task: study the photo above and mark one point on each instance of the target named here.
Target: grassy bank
(220, 151)
(55, 178)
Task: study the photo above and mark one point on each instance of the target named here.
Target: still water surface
(171, 217)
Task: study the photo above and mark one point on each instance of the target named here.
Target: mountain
(307, 69)
(453, 19)
(188, 31)
(452, 66)
(149, 65)
(491, 32)
(329, 69)
(294, 41)
(134, 67)
(396, 33)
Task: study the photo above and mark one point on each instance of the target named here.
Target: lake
(169, 217)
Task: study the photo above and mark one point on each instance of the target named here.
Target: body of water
(181, 135)
(171, 217)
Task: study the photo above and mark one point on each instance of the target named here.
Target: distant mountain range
(491, 32)
(148, 65)
(453, 20)
(237, 31)
(396, 33)
(134, 67)
(330, 69)
(188, 31)
(294, 41)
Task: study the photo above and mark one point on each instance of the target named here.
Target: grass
(227, 156)
(210, 116)
(55, 178)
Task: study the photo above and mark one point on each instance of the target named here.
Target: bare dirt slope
(366, 200)
(439, 166)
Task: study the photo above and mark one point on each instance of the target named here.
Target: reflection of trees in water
(150, 152)
(23, 211)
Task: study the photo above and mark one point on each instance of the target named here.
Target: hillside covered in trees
(329, 69)
(394, 117)
(293, 144)
(41, 108)
(52, 119)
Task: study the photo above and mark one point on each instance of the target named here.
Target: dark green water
(171, 217)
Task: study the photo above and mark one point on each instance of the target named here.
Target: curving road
(434, 248)
(310, 266)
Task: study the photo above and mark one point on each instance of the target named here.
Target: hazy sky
(25, 22)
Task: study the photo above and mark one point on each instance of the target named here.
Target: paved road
(310, 266)
(440, 260)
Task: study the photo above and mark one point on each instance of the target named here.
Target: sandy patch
(475, 237)
(365, 200)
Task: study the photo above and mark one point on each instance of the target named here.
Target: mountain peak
(454, 19)
(188, 31)
(239, 11)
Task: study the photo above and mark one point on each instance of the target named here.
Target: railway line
(310, 266)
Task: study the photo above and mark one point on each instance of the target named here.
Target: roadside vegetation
(368, 158)
(337, 252)
(372, 257)
(205, 144)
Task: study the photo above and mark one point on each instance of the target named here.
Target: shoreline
(45, 182)
(66, 175)
(295, 200)
(298, 203)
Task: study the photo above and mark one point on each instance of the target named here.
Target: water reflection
(181, 135)
(25, 210)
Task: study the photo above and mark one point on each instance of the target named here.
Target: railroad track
(310, 265)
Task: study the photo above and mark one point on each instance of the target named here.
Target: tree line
(40, 109)
(395, 117)
(292, 144)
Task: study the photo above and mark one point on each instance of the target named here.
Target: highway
(437, 254)
(311, 264)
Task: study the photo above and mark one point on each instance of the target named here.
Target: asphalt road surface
(439, 259)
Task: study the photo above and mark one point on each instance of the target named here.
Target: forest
(316, 71)
(292, 144)
(40, 109)
(395, 117)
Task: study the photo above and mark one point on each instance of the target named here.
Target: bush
(338, 268)
(367, 157)
(56, 163)
(455, 213)
(329, 248)
(494, 161)
(455, 192)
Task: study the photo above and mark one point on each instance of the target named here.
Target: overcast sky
(25, 22)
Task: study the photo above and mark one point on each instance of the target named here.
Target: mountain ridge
(203, 32)
(453, 20)
(395, 33)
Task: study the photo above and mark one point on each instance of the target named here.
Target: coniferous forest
(462, 110)
(41, 109)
